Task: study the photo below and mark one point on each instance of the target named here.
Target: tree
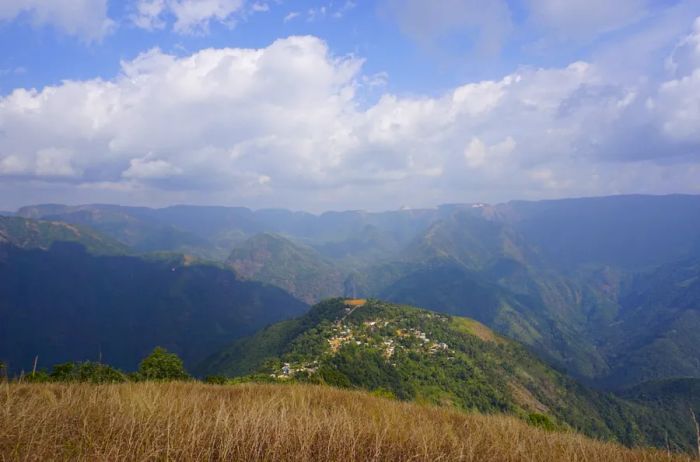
(162, 365)
(86, 372)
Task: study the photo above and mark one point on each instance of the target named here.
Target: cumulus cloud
(189, 16)
(283, 126)
(86, 19)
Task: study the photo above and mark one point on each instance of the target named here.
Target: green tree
(86, 372)
(162, 365)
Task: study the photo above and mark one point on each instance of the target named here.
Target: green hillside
(299, 270)
(65, 304)
(597, 319)
(30, 234)
(656, 331)
(135, 227)
(593, 285)
(419, 355)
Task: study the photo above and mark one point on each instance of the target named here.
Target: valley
(540, 310)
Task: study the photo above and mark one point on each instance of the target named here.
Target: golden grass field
(253, 422)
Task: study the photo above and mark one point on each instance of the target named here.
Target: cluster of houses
(288, 370)
(342, 333)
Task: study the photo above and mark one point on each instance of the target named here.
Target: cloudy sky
(346, 104)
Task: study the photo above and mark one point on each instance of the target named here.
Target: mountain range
(65, 297)
(599, 287)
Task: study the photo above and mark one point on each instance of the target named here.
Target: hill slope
(64, 304)
(275, 260)
(586, 302)
(30, 234)
(561, 276)
(425, 356)
(188, 421)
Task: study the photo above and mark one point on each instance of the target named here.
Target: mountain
(65, 304)
(425, 356)
(135, 227)
(450, 288)
(630, 232)
(28, 234)
(559, 276)
(299, 270)
(655, 333)
(671, 401)
(212, 232)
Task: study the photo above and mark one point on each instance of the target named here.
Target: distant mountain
(629, 232)
(560, 276)
(542, 324)
(212, 232)
(65, 304)
(299, 270)
(30, 234)
(421, 355)
(135, 227)
(655, 334)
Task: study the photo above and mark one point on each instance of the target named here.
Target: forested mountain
(420, 355)
(65, 304)
(31, 234)
(299, 270)
(595, 286)
(213, 231)
(655, 334)
(596, 308)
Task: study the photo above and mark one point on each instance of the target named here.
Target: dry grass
(192, 421)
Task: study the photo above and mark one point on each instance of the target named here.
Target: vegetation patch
(194, 421)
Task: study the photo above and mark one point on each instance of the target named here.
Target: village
(385, 335)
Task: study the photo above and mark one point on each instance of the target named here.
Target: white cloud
(314, 14)
(685, 57)
(345, 9)
(146, 169)
(86, 19)
(291, 15)
(148, 14)
(260, 7)
(55, 162)
(586, 19)
(429, 22)
(477, 154)
(13, 165)
(189, 16)
(283, 126)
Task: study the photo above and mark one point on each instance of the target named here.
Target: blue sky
(322, 105)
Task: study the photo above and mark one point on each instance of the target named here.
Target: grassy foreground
(194, 421)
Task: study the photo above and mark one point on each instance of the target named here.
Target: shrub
(542, 421)
(162, 365)
(87, 372)
(216, 379)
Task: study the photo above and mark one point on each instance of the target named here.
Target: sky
(346, 104)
